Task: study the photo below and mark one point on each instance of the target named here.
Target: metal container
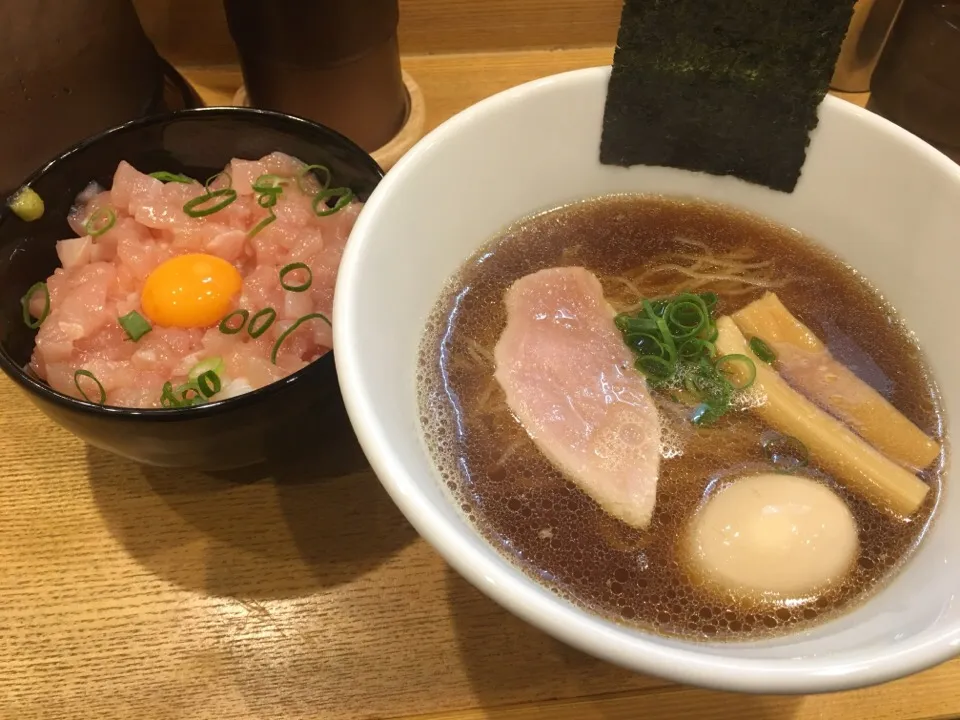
(865, 39)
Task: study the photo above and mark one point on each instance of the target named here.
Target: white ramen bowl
(874, 194)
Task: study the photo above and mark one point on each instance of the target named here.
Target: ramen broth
(643, 246)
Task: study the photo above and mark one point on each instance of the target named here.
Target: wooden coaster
(410, 131)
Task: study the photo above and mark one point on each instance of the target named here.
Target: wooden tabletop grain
(299, 591)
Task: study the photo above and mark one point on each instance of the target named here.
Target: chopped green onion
(268, 199)
(168, 397)
(286, 333)
(785, 451)
(694, 348)
(196, 398)
(101, 221)
(211, 363)
(668, 342)
(644, 344)
(25, 304)
(86, 373)
(134, 325)
(168, 177)
(687, 316)
(324, 184)
(200, 206)
(269, 184)
(293, 267)
(26, 204)
(344, 196)
(209, 383)
(743, 360)
(261, 225)
(673, 340)
(710, 299)
(213, 178)
(227, 329)
(762, 350)
(654, 367)
(255, 330)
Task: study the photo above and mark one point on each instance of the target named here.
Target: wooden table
(299, 591)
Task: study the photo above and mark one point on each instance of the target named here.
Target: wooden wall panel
(195, 31)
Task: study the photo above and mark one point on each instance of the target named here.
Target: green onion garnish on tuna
(134, 325)
(263, 223)
(311, 171)
(321, 207)
(209, 383)
(204, 205)
(267, 316)
(228, 327)
(167, 177)
(28, 318)
(100, 222)
(289, 331)
(87, 374)
(293, 267)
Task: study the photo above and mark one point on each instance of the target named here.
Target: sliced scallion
(255, 330)
(324, 184)
(255, 230)
(101, 221)
(209, 383)
(28, 318)
(746, 364)
(87, 374)
(710, 299)
(673, 342)
(762, 350)
(204, 204)
(214, 364)
(293, 267)
(191, 394)
(286, 333)
(134, 325)
(227, 329)
(343, 197)
(269, 183)
(168, 177)
(213, 178)
(168, 397)
(654, 367)
(268, 199)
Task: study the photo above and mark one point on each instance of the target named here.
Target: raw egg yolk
(190, 291)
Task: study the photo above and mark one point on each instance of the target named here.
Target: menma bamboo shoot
(808, 365)
(831, 444)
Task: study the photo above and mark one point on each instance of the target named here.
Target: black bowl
(230, 433)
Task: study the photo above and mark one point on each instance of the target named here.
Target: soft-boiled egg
(784, 535)
(190, 291)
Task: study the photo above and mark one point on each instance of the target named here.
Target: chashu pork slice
(569, 378)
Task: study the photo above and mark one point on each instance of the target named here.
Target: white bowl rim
(579, 628)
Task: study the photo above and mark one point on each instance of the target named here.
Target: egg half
(785, 535)
(190, 291)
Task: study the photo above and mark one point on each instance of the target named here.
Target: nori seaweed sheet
(727, 87)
